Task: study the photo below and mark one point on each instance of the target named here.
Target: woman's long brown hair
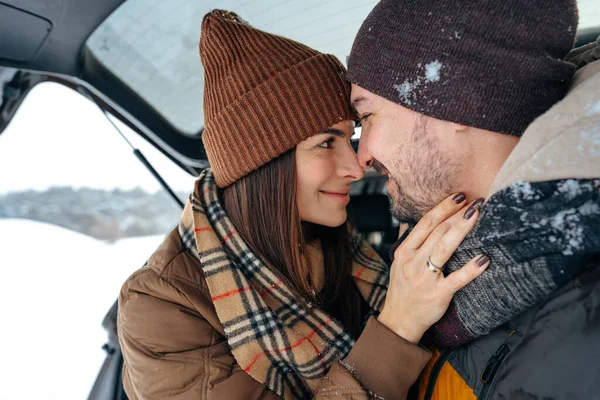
(262, 206)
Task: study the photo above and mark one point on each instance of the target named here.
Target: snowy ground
(56, 287)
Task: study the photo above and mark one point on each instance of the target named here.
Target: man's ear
(458, 127)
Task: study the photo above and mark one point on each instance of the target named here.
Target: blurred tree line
(106, 215)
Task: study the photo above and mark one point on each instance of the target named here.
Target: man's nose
(365, 158)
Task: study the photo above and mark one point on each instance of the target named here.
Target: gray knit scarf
(539, 236)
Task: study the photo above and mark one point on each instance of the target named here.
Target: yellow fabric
(449, 385)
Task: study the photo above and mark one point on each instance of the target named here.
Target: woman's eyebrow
(335, 132)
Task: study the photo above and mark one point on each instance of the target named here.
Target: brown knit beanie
(263, 94)
(489, 64)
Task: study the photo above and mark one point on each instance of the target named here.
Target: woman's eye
(327, 144)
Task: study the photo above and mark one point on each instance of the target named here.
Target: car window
(153, 46)
(78, 214)
(589, 14)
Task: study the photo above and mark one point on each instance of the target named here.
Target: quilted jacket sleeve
(174, 348)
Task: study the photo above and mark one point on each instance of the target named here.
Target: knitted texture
(494, 65)
(539, 235)
(263, 94)
(271, 337)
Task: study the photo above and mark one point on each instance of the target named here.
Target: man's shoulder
(547, 352)
(562, 344)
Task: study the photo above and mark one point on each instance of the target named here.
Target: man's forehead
(360, 97)
(360, 102)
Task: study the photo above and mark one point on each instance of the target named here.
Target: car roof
(49, 35)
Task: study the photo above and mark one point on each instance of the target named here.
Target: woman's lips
(342, 197)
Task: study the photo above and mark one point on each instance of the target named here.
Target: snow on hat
(494, 65)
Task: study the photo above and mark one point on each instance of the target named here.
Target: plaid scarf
(271, 337)
(539, 236)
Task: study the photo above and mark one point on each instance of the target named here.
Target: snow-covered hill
(57, 285)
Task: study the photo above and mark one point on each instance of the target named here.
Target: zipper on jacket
(489, 372)
(435, 372)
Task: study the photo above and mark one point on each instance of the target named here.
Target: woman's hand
(418, 293)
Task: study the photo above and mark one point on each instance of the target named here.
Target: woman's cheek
(323, 169)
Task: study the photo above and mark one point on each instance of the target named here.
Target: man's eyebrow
(335, 132)
(357, 103)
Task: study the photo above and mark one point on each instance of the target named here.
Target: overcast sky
(59, 138)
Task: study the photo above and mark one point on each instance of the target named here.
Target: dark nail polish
(469, 213)
(459, 198)
(482, 260)
(478, 203)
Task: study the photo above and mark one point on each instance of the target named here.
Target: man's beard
(421, 175)
(405, 208)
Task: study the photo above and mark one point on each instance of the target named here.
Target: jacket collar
(564, 142)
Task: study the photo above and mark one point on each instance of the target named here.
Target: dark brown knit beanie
(489, 64)
(263, 94)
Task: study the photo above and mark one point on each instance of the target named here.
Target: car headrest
(370, 212)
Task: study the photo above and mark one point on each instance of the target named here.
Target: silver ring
(432, 267)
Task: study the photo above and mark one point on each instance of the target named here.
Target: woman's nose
(352, 168)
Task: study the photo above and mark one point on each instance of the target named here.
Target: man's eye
(363, 119)
(327, 144)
